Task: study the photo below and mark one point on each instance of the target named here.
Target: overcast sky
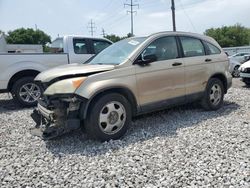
(72, 16)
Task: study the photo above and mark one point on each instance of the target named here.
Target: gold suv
(131, 77)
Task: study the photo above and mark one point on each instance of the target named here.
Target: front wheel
(236, 72)
(108, 118)
(214, 95)
(26, 92)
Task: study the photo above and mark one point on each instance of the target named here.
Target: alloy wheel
(30, 92)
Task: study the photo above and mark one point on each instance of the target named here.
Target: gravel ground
(180, 147)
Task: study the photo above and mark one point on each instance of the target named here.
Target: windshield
(118, 52)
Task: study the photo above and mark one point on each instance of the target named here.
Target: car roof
(86, 37)
(182, 33)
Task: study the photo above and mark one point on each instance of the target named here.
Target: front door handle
(176, 64)
(208, 60)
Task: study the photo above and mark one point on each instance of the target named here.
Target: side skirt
(169, 103)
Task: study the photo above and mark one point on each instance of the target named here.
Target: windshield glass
(118, 52)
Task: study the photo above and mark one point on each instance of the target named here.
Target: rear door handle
(208, 60)
(176, 64)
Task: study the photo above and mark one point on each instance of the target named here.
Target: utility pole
(132, 12)
(92, 27)
(103, 33)
(173, 14)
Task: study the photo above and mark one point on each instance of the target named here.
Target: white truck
(19, 70)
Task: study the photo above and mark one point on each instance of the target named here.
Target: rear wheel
(214, 95)
(108, 118)
(26, 92)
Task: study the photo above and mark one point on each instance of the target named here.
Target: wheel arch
(223, 79)
(127, 93)
(21, 74)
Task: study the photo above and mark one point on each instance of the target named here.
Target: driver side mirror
(144, 60)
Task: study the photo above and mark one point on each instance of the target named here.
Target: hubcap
(236, 72)
(29, 92)
(112, 117)
(215, 94)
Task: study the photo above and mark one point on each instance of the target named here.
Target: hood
(71, 70)
(245, 65)
(232, 61)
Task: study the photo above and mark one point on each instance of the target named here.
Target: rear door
(162, 80)
(197, 64)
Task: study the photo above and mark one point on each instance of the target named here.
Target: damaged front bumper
(56, 117)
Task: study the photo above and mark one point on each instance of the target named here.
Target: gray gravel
(180, 147)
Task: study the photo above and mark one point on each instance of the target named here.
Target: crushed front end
(56, 115)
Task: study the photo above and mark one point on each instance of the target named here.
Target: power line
(131, 12)
(92, 27)
(103, 33)
(189, 19)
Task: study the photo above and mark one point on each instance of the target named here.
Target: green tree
(113, 37)
(28, 36)
(116, 38)
(230, 36)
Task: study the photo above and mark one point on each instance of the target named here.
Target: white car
(245, 72)
(19, 70)
(234, 67)
(240, 57)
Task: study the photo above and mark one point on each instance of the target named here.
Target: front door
(162, 81)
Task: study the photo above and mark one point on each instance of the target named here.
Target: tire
(108, 118)
(26, 92)
(236, 72)
(214, 95)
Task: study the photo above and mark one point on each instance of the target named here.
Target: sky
(61, 17)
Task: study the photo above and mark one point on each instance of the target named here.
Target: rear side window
(100, 45)
(80, 46)
(212, 49)
(192, 47)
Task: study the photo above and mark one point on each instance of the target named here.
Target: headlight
(67, 86)
(243, 69)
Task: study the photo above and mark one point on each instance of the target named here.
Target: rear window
(80, 46)
(57, 46)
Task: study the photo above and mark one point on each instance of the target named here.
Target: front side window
(192, 47)
(80, 46)
(100, 45)
(163, 48)
(212, 49)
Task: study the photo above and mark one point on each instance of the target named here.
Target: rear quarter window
(212, 49)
